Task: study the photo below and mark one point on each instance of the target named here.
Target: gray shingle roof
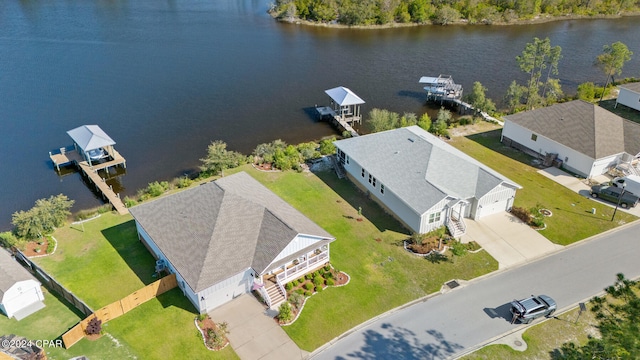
(420, 168)
(11, 272)
(635, 87)
(221, 228)
(581, 126)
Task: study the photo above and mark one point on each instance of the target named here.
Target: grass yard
(92, 256)
(383, 275)
(572, 219)
(544, 338)
(51, 322)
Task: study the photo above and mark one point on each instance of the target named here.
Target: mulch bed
(206, 325)
(34, 249)
(427, 246)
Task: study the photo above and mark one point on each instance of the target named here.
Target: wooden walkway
(73, 157)
(327, 112)
(484, 115)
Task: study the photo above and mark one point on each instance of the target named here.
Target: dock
(70, 156)
(485, 116)
(327, 113)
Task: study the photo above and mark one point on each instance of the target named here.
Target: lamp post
(618, 203)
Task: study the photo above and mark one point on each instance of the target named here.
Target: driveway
(580, 186)
(253, 333)
(507, 239)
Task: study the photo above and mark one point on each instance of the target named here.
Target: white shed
(629, 95)
(20, 293)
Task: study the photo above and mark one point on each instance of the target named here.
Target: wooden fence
(52, 284)
(120, 307)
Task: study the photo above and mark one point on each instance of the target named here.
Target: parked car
(630, 183)
(612, 193)
(533, 307)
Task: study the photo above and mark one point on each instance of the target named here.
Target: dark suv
(533, 307)
(612, 194)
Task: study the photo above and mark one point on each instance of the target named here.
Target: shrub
(521, 213)
(296, 299)
(217, 337)
(458, 248)
(327, 267)
(318, 281)
(299, 291)
(156, 189)
(328, 275)
(285, 314)
(184, 182)
(288, 286)
(308, 293)
(8, 240)
(330, 282)
(308, 276)
(201, 317)
(308, 286)
(51, 245)
(129, 202)
(300, 281)
(319, 288)
(309, 151)
(94, 327)
(586, 91)
(327, 147)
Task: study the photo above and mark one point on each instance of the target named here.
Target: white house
(20, 293)
(586, 139)
(229, 237)
(629, 95)
(423, 181)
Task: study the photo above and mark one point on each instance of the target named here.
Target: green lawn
(572, 219)
(542, 339)
(92, 256)
(383, 275)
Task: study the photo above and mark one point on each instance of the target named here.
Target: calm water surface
(165, 78)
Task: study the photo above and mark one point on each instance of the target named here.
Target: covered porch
(455, 219)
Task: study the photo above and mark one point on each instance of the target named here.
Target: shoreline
(540, 19)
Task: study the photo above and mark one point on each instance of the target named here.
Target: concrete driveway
(507, 239)
(253, 333)
(580, 186)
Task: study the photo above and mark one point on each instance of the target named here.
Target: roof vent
(410, 139)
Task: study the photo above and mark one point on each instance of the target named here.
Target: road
(460, 320)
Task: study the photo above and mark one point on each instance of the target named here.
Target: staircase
(456, 227)
(275, 295)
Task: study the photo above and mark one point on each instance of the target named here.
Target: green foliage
(308, 286)
(328, 275)
(408, 119)
(296, 299)
(617, 314)
(184, 182)
(330, 282)
(586, 91)
(285, 314)
(51, 245)
(478, 99)
(381, 120)
(318, 281)
(442, 123)
(288, 286)
(201, 317)
(265, 153)
(539, 59)
(308, 151)
(308, 293)
(299, 291)
(612, 60)
(300, 281)
(319, 288)
(156, 189)
(287, 159)
(308, 276)
(446, 15)
(327, 267)
(425, 122)
(9, 240)
(219, 158)
(327, 147)
(458, 248)
(43, 218)
(514, 96)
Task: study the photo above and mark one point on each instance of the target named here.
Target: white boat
(97, 154)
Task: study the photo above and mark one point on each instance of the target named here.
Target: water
(164, 79)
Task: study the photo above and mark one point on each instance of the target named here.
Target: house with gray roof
(629, 95)
(20, 292)
(423, 181)
(584, 138)
(228, 237)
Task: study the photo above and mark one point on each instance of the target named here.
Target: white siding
(298, 243)
(497, 200)
(572, 159)
(393, 203)
(20, 295)
(425, 226)
(629, 98)
(226, 290)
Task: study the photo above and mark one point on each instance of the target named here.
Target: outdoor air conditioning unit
(160, 265)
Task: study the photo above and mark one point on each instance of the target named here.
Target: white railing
(311, 262)
(284, 293)
(265, 296)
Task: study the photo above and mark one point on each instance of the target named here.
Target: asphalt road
(460, 320)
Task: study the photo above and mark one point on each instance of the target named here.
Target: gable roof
(344, 96)
(582, 126)
(221, 228)
(90, 137)
(11, 272)
(635, 87)
(421, 169)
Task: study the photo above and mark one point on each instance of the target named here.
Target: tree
(219, 158)
(381, 120)
(536, 57)
(44, 217)
(612, 60)
(425, 122)
(446, 15)
(618, 314)
(442, 123)
(587, 91)
(514, 95)
(408, 119)
(478, 99)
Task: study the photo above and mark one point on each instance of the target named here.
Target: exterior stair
(456, 227)
(275, 296)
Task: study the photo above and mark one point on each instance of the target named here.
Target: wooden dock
(325, 112)
(484, 115)
(66, 157)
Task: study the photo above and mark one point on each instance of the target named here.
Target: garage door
(490, 209)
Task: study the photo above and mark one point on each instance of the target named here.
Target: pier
(327, 113)
(441, 88)
(345, 109)
(92, 151)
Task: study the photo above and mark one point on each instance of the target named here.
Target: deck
(325, 112)
(66, 157)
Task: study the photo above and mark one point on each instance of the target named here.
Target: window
(374, 182)
(362, 172)
(347, 159)
(382, 188)
(534, 137)
(370, 178)
(435, 217)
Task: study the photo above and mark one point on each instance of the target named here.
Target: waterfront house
(423, 181)
(228, 237)
(581, 137)
(629, 95)
(20, 292)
